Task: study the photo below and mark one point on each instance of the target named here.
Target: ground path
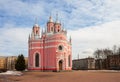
(74, 76)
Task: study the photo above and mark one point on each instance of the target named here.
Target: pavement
(73, 76)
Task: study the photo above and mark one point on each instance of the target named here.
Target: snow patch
(12, 73)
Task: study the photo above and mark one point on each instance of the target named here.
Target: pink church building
(49, 50)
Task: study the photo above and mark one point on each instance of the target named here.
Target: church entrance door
(60, 65)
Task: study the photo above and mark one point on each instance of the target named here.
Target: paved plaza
(73, 76)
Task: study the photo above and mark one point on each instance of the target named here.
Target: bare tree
(118, 51)
(98, 55)
(107, 52)
(114, 49)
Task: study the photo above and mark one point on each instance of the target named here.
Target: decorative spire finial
(50, 18)
(36, 22)
(42, 30)
(63, 26)
(57, 18)
(29, 36)
(70, 39)
(45, 29)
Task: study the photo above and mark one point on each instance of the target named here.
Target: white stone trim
(55, 41)
(47, 41)
(36, 42)
(56, 46)
(49, 46)
(36, 48)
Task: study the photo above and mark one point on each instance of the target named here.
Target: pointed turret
(45, 30)
(42, 31)
(63, 27)
(57, 21)
(29, 37)
(70, 40)
(32, 35)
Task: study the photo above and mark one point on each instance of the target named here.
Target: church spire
(45, 29)
(63, 26)
(57, 21)
(29, 37)
(42, 31)
(50, 19)
(70, 40)
(36, 22)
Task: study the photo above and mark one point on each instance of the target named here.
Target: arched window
(36, 60)
(52, 29)
(36, 31)
(69, 62)
(58, 30)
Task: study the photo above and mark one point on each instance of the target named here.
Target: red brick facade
(49, 50)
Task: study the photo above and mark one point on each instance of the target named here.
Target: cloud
(91, 23)
(19, 8)
(13, 40)
(76, 14)
(93, 12)
(90, 38)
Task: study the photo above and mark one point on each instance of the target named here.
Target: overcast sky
(92, 24)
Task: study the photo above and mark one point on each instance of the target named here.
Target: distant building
(11, 62)
(2, 62)
(100, 64)
(86, 63)
(113, 62)
(8, 63)
(26, 62)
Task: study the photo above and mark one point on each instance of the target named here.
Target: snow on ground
(12, 73)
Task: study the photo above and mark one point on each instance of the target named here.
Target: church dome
(36, 25)
(57, 21)
(50, 19)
